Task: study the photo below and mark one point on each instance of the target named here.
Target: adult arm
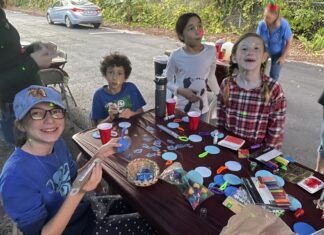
(26, 67)
(288, 37)
(285, 52)
(258, 30)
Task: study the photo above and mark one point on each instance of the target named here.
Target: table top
(162, 204)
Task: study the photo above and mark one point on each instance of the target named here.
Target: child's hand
(113, 111)
(127, 113)
(94, 179)
(108, 149)
(189, 94)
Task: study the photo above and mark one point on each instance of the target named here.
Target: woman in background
(277, 36)
(18, 70)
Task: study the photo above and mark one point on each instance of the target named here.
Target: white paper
(269, 155)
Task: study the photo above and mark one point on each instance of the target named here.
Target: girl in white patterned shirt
(193, 67)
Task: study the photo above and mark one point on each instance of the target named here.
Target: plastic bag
(255, 218)
(173, 174)
(194, 192)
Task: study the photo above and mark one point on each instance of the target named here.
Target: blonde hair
(233, 67)
(277, 20)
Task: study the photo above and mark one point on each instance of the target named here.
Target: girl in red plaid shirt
(251, 105)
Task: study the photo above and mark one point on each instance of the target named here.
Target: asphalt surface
(302, 83)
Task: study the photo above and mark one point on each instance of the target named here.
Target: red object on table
(299, 212)
(162, 204)
(171, 104)
(105, 132)
(193, 120)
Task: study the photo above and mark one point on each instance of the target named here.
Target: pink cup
(193, 120)
(171, 104)
(105, 132)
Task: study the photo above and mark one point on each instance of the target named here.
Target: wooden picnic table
(162, 204)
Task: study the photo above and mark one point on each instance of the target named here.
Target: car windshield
(80, 2)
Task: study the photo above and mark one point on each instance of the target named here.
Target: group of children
(250, 105)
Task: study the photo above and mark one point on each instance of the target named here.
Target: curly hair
(234, 67)
(116, 59)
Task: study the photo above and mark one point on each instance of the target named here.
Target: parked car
(73, 12)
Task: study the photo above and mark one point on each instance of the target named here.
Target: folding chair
(61, 54)
(54, 77)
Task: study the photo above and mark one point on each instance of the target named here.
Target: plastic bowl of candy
(142, 172)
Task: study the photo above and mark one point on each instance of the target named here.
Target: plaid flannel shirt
(248, 117)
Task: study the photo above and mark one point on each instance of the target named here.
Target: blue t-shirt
(129, 97)
(33, 188)
(276, 42)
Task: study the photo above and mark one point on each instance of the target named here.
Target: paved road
(85, 46)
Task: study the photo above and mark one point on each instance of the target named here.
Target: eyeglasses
(40, 114)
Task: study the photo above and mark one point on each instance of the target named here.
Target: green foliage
(216, 14)
(317, 43)
(306, 17)
(41, 4)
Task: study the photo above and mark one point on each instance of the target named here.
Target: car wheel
(97, 25)
(49, 20)
(68, 22)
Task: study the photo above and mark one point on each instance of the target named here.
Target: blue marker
(123, 141)
(123, 132)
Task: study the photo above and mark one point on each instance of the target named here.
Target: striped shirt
(249, 117)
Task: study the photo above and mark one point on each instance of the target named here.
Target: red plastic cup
(193, 120)
(221, 55)
(105, 132)
(171, 104)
